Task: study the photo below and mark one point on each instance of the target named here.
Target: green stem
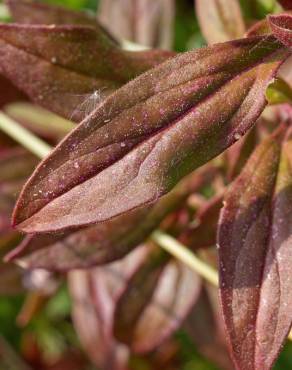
(183, 254)
(24, 137)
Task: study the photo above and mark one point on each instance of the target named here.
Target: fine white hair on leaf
(86, 104)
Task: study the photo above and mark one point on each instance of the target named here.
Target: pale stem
(24, 137)
(182, 253)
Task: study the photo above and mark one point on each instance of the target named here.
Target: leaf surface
(94, 293)
(203, 234)
(153, 131)
(255, 255)
(286, 4)
(35, 12)
(156, 300)
(153, 21)
(107, 241)
(204, 327)
(51, 65)
(220, 20)
(281, 27)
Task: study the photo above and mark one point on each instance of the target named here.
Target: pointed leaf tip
(153, 131)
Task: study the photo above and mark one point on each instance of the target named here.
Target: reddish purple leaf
(36, 12)
(63, 77)
(155, 302)
(221, 20)
(94, 294)
(255, 255)
(70, 46)
(204, 327)
(56, 88)
(281, 26)
(149, 134)
(286, 4)
(9, 93)
(239, 153)
(203, 233)
(107, 241)
(137, 294)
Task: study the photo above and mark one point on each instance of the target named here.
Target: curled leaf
(221, 20)
(149, 134)
(255, 255)
(281, 27)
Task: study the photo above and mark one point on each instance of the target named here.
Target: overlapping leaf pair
(118, 174)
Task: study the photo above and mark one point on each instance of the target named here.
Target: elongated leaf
(255, 255)
(144, 138)
(54, 87)
(107, 241)
(94, 294)
(137, 294)
(64, 77)
(220, 20)
(154, 303)
(70, 46)
(92, 320)
(36, 12)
